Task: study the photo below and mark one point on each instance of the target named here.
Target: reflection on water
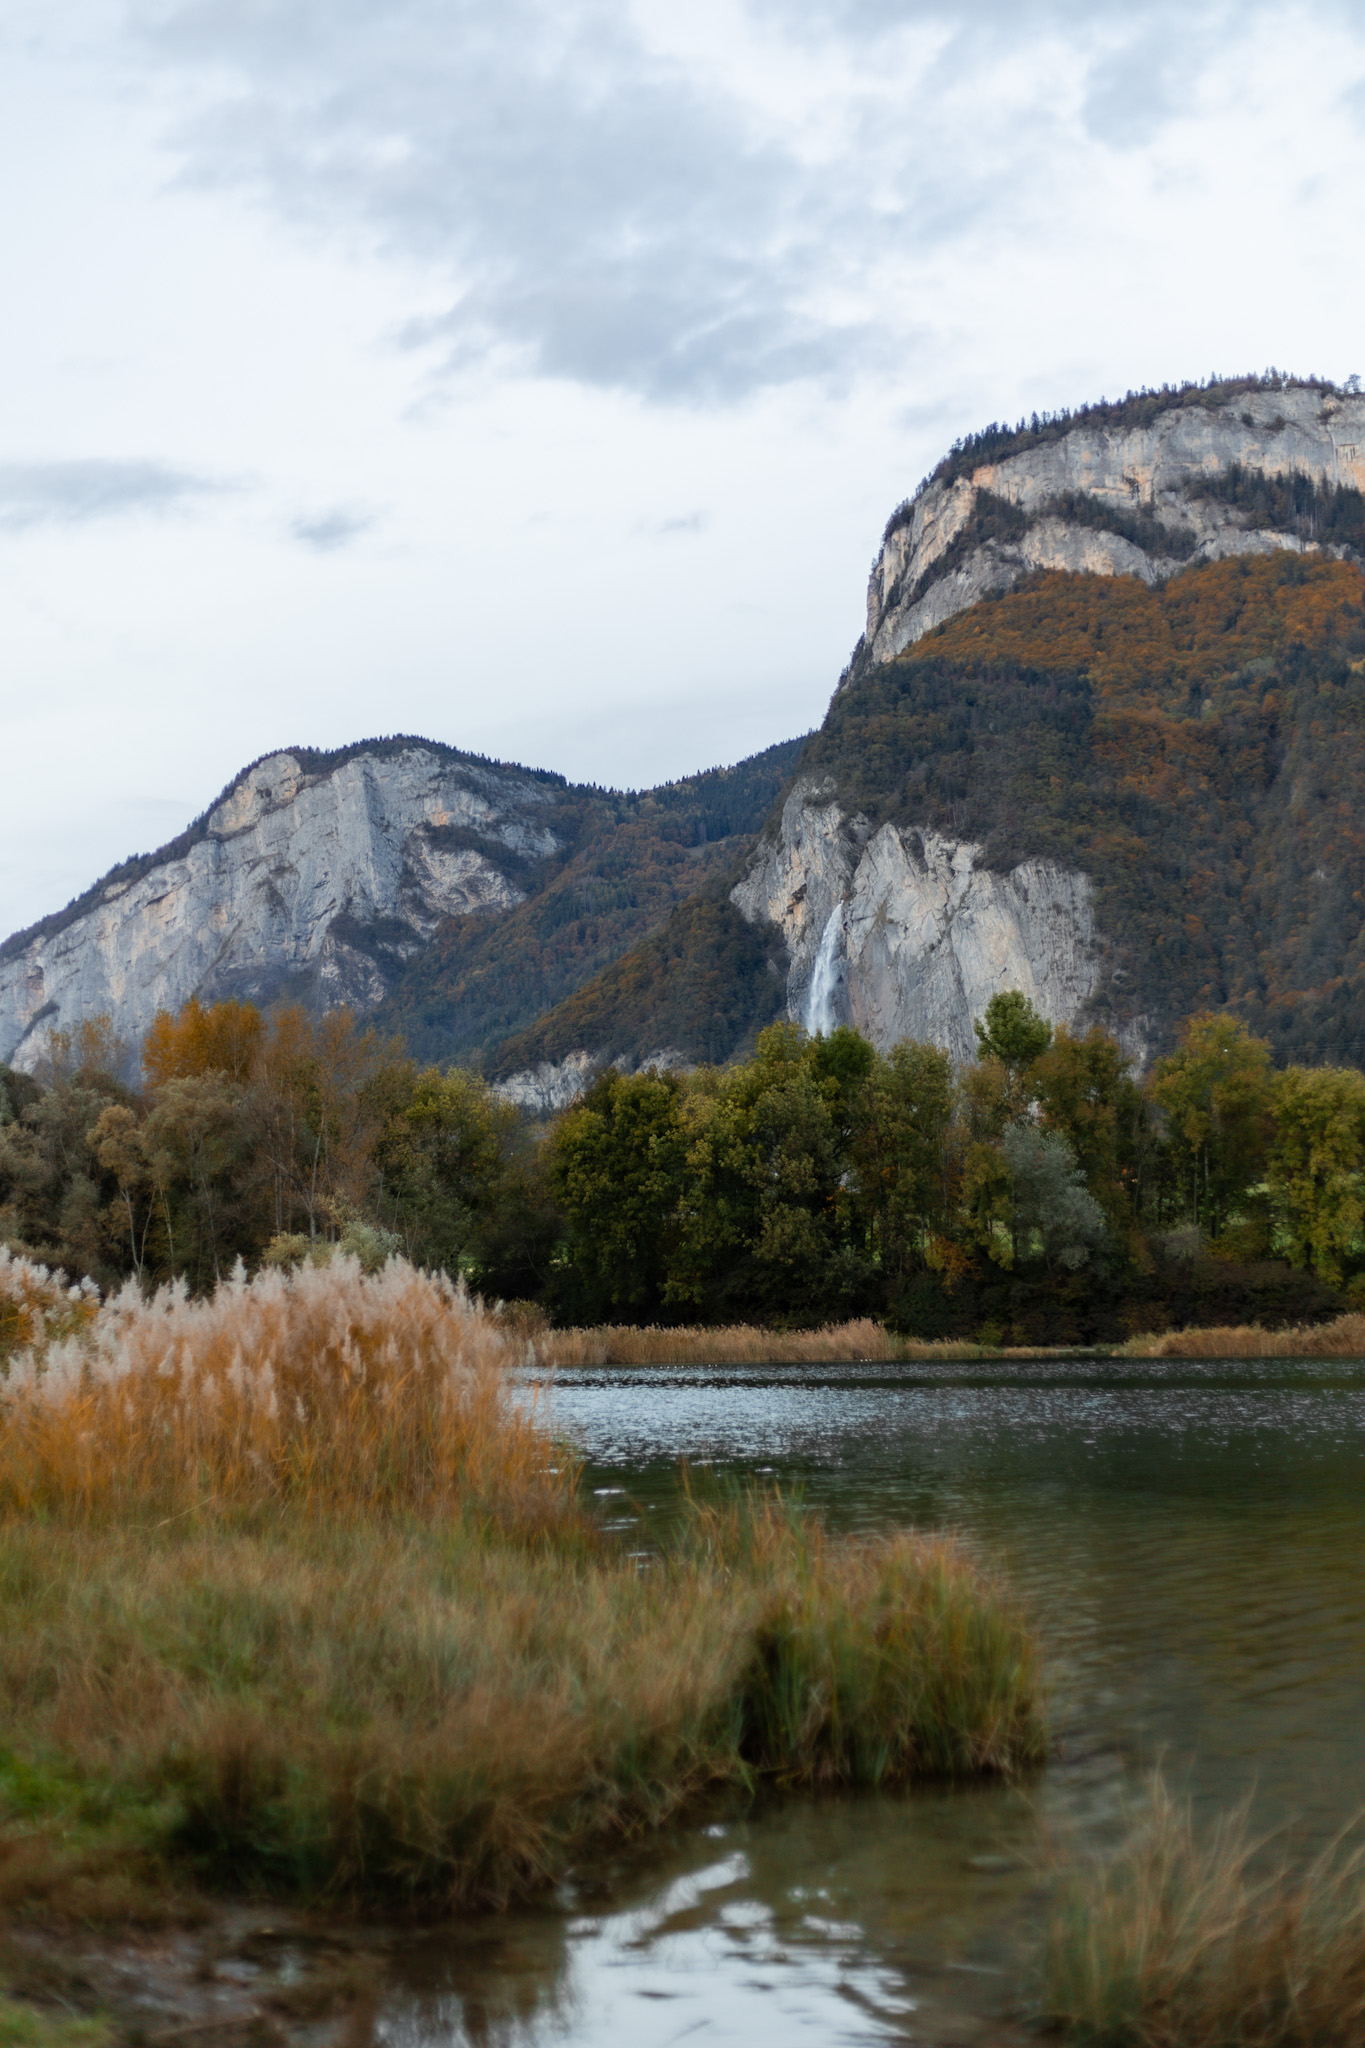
(1189, 1540)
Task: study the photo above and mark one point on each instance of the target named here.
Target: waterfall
(824, 976)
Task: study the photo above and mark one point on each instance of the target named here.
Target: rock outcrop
(551, 1085)
(973, 531)
(901, 933)
(315, 884)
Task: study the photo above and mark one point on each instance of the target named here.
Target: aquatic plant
(1198, 1941)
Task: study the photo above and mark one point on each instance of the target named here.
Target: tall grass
(38, 1305)
(1344, 1337)
(326, 1388)
(859, 1342)
(295, 1594)
(1188, 1942)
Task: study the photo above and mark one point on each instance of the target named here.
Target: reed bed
(326, 1388)
(859, 1342)
(1190, 1942)
(1343, 1337)
(296, 1597)
(39, 1306)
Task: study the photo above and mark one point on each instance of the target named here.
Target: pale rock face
(545, 1089)
(1138, 469)
(796, 881)
(284, 893)
(901, 934)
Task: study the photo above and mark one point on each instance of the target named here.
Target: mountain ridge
(1105, 656)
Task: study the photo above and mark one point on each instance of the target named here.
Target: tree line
(1043, 1190)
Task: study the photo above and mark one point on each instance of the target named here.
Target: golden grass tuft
(1189, 1942)
(324, 1388)
(1343, 1337)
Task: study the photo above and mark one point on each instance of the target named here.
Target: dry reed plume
(1186, 1942)
(1344, 1337)
(38, 1306)
(324, 1388)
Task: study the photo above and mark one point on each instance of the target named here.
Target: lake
(1189, 1539)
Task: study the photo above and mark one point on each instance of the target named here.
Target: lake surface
(1189, 1538)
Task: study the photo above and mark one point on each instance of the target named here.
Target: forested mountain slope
(627, 861)
(1131, 802)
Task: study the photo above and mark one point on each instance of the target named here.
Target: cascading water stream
(824, 978)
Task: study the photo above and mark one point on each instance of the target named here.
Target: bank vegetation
(1205, 1940)
(298, 1597)
(1040, 1196)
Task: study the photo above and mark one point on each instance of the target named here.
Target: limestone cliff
(1110, 498)
(318, 884)
(903, 934)
(452, 899)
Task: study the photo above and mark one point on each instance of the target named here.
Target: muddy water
(1190, 1539)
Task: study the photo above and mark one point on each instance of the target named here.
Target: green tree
(56, 1199)
(1013, 1032)
(442, 1146)
(1051, 1204)
(1216, 1093)
(199, 1145)
(1316, 1166)
(903, 1158)
(1085, 1091)
(767, 1210)
(615, 1166)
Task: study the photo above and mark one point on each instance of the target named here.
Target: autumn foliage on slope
(1197, 749)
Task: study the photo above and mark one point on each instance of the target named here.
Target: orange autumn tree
(223, 1039)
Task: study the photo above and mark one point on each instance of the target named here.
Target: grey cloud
(605, 220)
(329, 530)
(74, 493)
(605, 217)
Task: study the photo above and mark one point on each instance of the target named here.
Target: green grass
(26, 2026)
(423, 1715)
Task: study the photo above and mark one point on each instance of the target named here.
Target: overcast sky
(538, 374)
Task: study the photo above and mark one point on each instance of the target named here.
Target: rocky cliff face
(316, 884)
(1110, 499)
(902, 934)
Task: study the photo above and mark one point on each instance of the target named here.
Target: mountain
(448, 895)
(1101, 740)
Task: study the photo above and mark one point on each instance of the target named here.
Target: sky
(538, 375)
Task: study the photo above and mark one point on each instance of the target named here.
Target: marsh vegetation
(295, 1597)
